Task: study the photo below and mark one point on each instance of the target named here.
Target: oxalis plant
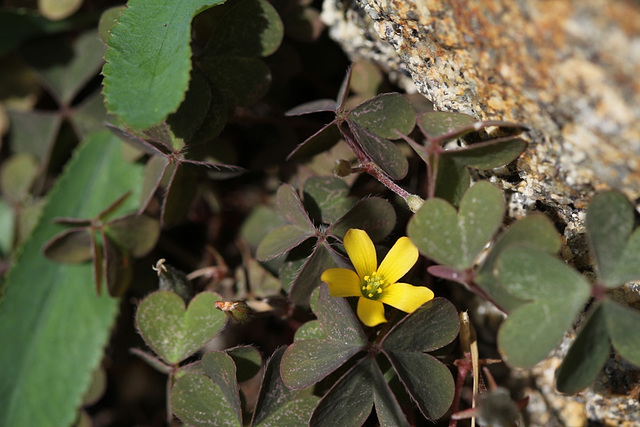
(352, 264)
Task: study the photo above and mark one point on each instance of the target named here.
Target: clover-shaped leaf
(308, 361)
(555, 293)
(616, 248)
(211, 399)
(278, 405)
(427, 380)
(453, 238)
(535, 230)
(609, 323)
(175, 332)
(350, 400)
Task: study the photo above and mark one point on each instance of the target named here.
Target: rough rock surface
(570, 69)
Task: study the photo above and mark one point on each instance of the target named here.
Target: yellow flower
(377, 285)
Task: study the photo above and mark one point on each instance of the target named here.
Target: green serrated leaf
(198, 401)
(281, 240)
(455, 239)
(174, 332)
(374, 215)
(385, 114)
(410, 333)
(149, 59)
(558, 293)
(586, 356)
(45, 302)
(616, 249)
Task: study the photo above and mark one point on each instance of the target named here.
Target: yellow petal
(402, 256)
(406, 297)
(371, 312)
(361, 251)
(342, 282)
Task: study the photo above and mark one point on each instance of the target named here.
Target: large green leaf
(46, 359)
(455, 239)
(623, 324)
(616, 249)
(149, 59)
(556, 292)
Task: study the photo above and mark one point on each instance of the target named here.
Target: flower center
(372, 286)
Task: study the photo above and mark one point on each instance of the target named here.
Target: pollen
(372, 286)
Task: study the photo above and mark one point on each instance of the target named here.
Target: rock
(568, 69)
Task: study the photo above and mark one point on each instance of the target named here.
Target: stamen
(373, 286)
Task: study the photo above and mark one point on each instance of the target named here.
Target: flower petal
(402, 256)
(361, 251)
(371, 312)
(406, 297)
(342, 282)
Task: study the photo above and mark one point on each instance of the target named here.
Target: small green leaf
(452, 180)
(73, 245)
(535, 230)
(308, 277)
(385, 114)
(138, 234)
(281, 240)
(326, 198)
(337, 319)
(243, 81)
(586, 356)
(304, 363)
(174, 332)
(247, 359)
(349, 402)
(383, 152)
(558, 293)
(410, 334)
(220, 367)
(436, 124)
(489, 154)
(291, 208)
(623, 324)
(428, 381)
(198, 401)
(616, 249)
(455, 239)
(148, 60)
(247, 28)
(277, 405)
(374, 215)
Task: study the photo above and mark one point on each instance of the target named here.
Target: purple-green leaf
(385, 114)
